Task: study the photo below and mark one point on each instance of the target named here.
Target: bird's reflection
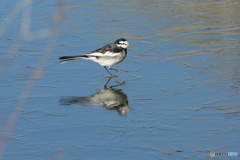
(112, 99)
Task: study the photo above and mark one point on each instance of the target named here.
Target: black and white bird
(112, 99)
(106, 56)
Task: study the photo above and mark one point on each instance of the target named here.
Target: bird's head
(122, 42)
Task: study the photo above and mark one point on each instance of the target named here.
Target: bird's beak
(130, 45)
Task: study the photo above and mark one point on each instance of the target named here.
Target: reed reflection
(112, 99)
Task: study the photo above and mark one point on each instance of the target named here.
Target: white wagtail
(106, 56)
(112, 99)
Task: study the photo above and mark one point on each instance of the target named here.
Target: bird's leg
(109, 76)
(105, 86)
(107, 70)
(118, 70)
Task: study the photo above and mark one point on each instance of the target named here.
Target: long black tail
(68, 58)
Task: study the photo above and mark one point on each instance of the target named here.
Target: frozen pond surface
(180, 99)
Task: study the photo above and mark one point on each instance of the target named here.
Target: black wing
(108, 48)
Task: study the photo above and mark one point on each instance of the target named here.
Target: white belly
(109, 60)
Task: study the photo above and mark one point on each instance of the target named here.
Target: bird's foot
(122, 71)
(120, 83)
(118, 70)
(111, 76)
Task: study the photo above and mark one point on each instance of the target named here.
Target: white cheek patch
(123, 44)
